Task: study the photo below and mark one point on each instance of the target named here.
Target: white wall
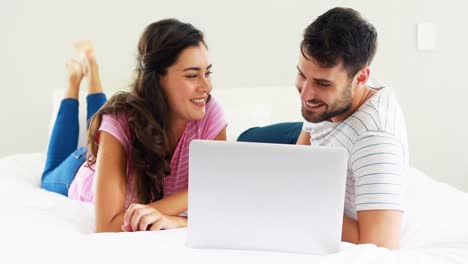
(251, 44)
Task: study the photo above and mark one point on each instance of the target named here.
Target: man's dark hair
(340, 35)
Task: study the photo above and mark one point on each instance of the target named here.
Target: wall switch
(427, 33)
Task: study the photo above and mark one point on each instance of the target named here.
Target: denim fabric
(63, 158)
(281, 133)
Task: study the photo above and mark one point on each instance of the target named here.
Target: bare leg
(75, 75)
(96, 98)
(90, 66)
(94, 81)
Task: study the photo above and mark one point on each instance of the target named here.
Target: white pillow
(247, 107)
(243, 116)
(57, 97)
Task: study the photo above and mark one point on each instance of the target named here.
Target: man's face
(326, 93)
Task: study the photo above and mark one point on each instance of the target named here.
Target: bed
(39, 226)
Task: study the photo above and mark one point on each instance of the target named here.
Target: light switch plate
(427, 34)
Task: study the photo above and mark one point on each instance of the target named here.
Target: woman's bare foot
(75, 75)
(90, 67)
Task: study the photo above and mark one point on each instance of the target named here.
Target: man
(341, 109)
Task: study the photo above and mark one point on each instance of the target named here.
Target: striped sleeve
(378, 165)
(307, 126)
(117, 126)
(214, 120)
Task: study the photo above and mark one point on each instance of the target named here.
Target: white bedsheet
(44, 227)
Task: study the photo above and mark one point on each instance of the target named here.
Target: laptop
(260, 196)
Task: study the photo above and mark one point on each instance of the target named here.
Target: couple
(135, 166)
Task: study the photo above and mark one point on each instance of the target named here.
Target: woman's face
(187, 84)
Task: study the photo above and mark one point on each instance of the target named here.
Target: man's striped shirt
(376, 142)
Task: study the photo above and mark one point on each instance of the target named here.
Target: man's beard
(340, 106)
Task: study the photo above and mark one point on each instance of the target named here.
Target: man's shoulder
(380, 113)
(379, 121)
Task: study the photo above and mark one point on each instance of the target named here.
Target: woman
(136, 166)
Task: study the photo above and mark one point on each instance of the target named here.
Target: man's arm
(378, 227)
(304, 138)
(378, 164)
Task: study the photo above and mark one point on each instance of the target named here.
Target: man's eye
(208, 73)
(323, 84)
(191, 76)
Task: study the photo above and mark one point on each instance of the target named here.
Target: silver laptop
(258, 196)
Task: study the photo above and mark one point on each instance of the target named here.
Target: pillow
(244, 116)
(247, 107)
(57, 97)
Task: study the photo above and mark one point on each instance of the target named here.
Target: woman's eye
(191, 76)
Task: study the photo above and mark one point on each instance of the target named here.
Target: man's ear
(363, 75)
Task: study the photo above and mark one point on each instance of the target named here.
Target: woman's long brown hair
(146, 106)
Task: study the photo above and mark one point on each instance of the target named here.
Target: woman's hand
(140, 217)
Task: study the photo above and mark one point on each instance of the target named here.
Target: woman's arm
(221, 136)
(178, 202)
(170, 207)
(111, 183)
(379, 227)
(111, 186)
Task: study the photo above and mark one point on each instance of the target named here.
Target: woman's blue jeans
(63, 158)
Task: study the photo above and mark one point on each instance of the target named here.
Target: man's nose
(307, 91)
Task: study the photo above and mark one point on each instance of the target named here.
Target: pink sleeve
(117, 126)
(214, 120)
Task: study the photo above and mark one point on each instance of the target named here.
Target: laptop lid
(260, 196)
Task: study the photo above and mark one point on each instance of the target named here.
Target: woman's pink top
(214, 121)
